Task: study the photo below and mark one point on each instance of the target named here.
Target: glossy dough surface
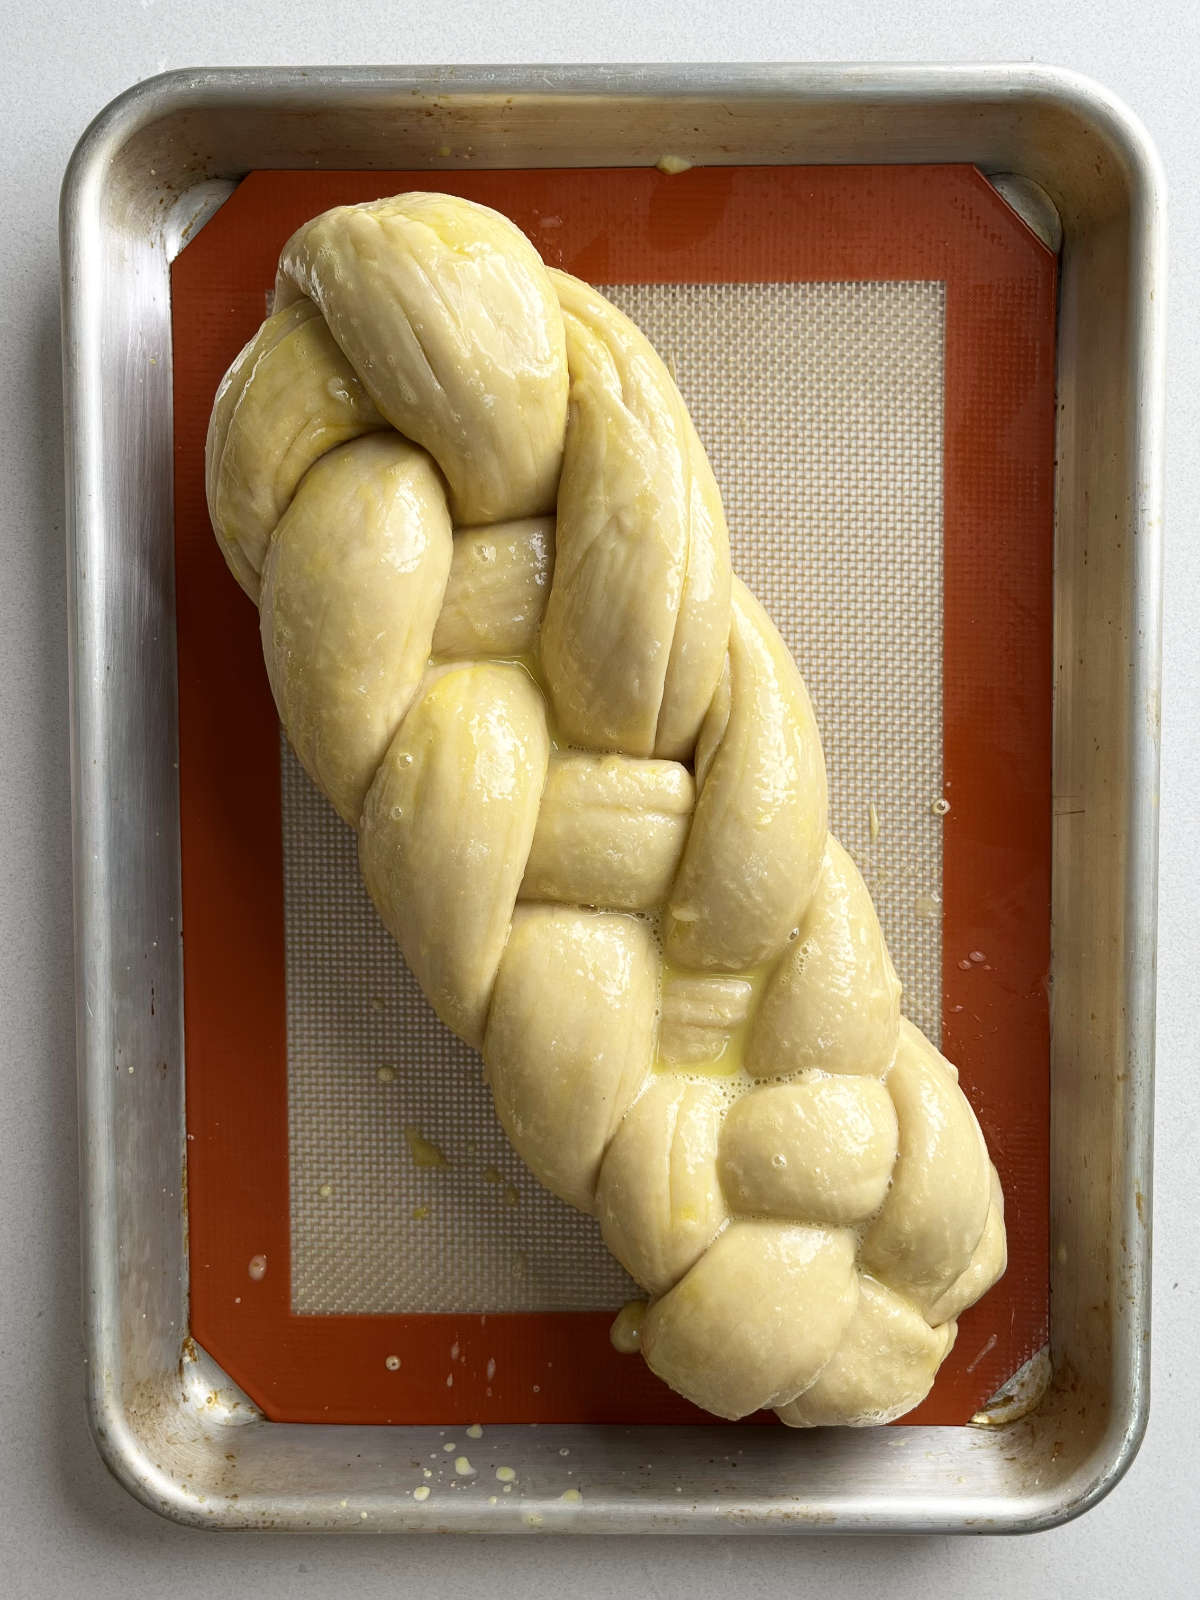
(504, 638)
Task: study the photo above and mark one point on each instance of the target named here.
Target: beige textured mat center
(821, 406)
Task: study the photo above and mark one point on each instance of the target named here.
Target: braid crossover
(503, 635)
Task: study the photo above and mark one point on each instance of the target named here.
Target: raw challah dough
(502, 632)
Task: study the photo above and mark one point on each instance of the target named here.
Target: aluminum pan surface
(121, 224)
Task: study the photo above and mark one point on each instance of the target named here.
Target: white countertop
(65, 1528)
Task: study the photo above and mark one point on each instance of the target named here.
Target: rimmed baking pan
(146, 178)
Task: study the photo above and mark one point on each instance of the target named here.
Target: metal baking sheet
(148, 173)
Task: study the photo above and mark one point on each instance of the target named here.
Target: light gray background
(65, 1528)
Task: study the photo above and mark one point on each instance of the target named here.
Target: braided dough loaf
(503, 635)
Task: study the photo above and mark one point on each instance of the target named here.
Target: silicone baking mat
(868, 355)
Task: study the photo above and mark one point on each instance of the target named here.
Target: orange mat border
(708, 225)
